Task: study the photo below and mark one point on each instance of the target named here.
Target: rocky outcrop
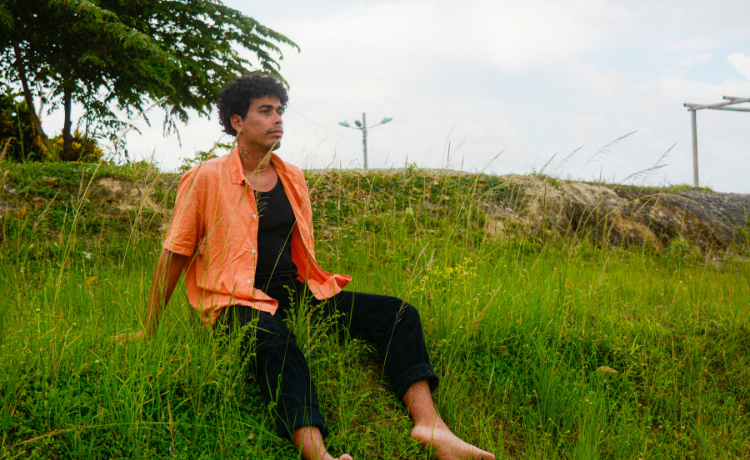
(622, 216)
(124, 195)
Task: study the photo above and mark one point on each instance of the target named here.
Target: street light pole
(364, 136)
(363, 127)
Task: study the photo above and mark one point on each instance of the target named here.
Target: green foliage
(677, 250)
(548, 179)
(16, 126)
(643, 190)
(517, 331)
(743, 234)
(44, 198)
(200, 157)
(113, 53)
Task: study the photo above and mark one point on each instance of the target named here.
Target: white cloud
(694, 60)
(513, 36)
(532, 77)
(741, 63)
(690, 44)
(688, 24)
(700, 92)
(589, 126)
(619, 91)
(519, 35)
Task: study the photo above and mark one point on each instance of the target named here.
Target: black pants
(390, 323)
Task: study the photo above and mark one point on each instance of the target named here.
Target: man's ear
(236, 122)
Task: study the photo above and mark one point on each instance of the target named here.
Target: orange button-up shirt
(215, 222)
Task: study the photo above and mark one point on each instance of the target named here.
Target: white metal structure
(362, 126)
(693, 108)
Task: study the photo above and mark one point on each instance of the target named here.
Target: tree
(124, 54)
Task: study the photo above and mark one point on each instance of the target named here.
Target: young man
(242, 231)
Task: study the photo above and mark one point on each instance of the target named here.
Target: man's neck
(257, 168)
(254, 161)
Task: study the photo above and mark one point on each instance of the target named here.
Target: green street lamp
(362, 126)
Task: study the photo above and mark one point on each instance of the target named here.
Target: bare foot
(310, 441)
(431, 430)
(448, 445)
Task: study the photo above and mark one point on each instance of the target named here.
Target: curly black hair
(237, 97)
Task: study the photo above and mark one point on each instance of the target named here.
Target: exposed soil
(627, 215)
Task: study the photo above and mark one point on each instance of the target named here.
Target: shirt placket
(253, 233)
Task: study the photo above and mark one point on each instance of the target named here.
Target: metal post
(364, 137)
(729, 100)
(695, 148)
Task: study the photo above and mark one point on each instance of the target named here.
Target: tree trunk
(27, 96)
(67, 153)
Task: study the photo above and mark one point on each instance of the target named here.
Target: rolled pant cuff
(299, 418)
(402, 382)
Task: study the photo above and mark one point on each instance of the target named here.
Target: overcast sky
(529, 78)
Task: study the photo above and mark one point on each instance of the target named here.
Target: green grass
(516, 330)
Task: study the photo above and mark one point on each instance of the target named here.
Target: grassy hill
(552, 338)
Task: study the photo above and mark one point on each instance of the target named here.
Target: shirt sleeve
(186, 228)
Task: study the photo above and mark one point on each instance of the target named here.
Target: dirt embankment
(515, 205)
(626, 215)
(617, 215)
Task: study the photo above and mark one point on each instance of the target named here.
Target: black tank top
(275, 223)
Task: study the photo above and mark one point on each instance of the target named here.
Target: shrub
(83, 149)
(16, 125)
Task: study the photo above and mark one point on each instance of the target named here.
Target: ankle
(309, 440)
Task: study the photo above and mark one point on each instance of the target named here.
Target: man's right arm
(184, 231)
(165, 280)
(167, 275)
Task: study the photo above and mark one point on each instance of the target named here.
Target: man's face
(262, 127)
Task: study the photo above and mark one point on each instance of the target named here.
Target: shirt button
(253, 251)
(249, 281)
(254, 216)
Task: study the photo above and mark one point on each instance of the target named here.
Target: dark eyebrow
(266, 106)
